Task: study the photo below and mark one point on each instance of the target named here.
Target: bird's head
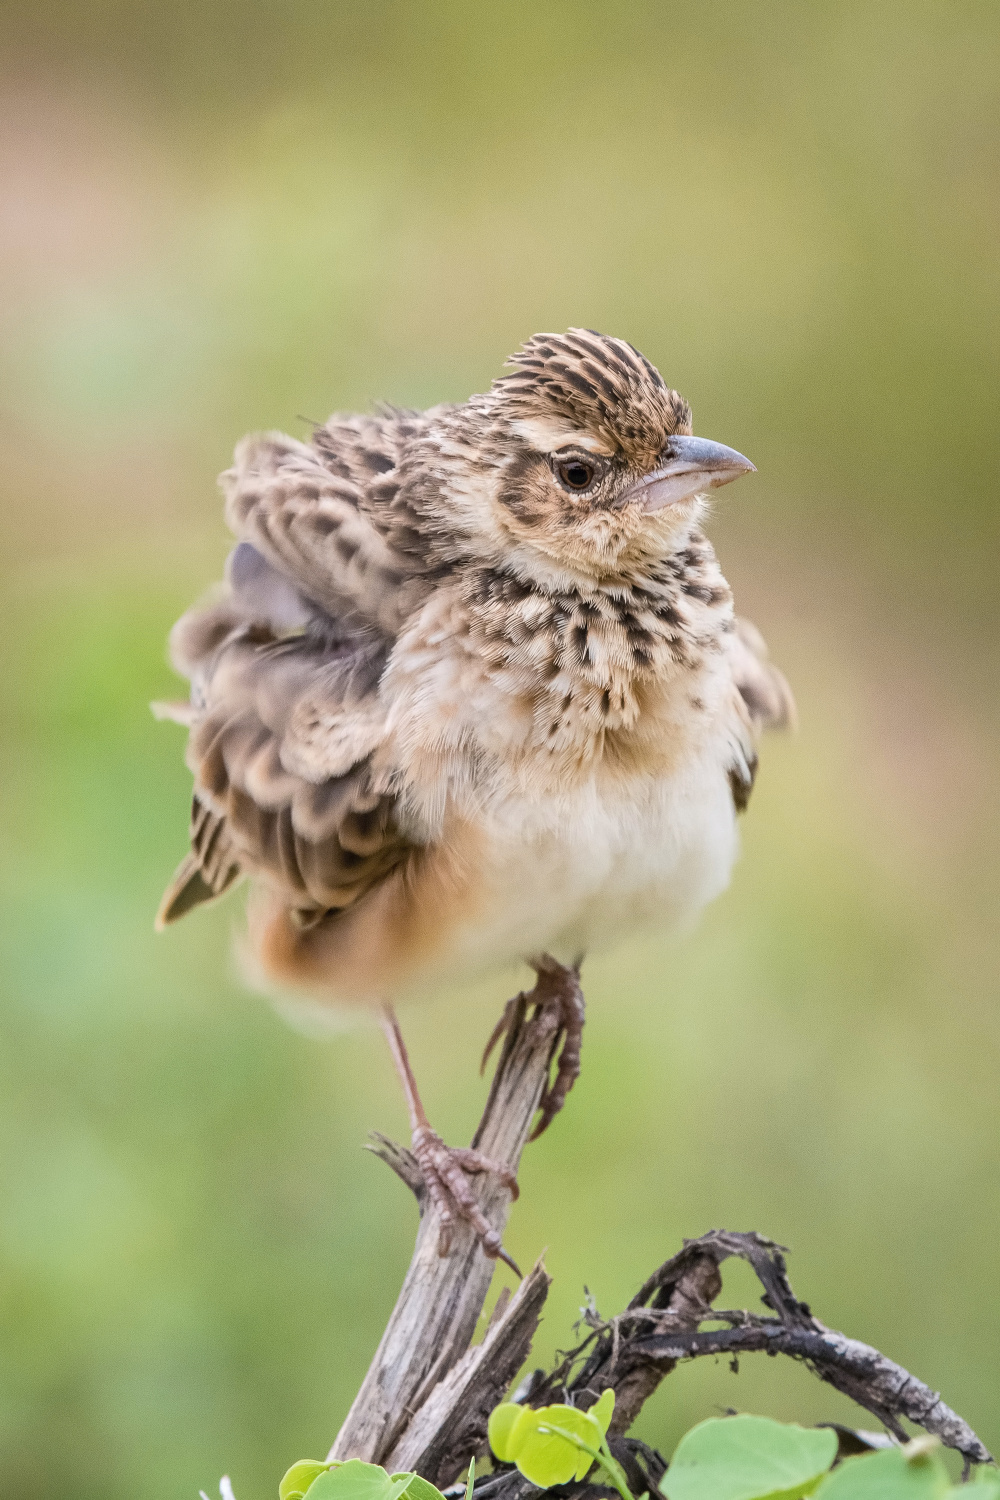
(592, 464)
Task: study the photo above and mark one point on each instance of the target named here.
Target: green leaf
(501, 1424)
(911, 1473)
(548, 1458)
(358, 1481)
(603, 1409)
(419, 1489)
(748, 1458)
(300, 1476)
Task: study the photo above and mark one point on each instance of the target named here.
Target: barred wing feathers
(284, 668)
(763, 701)
(281, 752)
(326, 514)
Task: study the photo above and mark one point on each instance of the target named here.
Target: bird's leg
(444, 1167)
(561, 984)
(557, 988)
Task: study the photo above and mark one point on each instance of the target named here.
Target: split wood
(425, 1401)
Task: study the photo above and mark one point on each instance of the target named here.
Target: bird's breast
(568, 874)
(576, 843)
(589, 756)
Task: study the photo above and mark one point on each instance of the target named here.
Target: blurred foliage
(750, 1458)
(220, 216)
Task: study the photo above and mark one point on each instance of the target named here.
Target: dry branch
(425, 1400)
(451, 1424)
(435, 1315)
(661, 1326)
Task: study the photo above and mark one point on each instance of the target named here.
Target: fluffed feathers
(764, 689)
(434, 664)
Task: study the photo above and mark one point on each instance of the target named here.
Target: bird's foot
(444, 1170)
(558, 995)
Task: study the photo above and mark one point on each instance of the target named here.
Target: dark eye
(575, 473)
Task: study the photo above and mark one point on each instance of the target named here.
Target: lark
(473, 691)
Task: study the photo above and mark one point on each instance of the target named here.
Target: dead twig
(431, 1326)
(662, 1325)
(425, 1401)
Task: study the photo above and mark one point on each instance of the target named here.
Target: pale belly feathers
(651, 855)
(571, 862)
(529, 838)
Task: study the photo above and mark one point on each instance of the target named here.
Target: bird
(473, 690)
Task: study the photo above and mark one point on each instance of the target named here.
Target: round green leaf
(545, 1457)
(355, 1480)
(748, 1458)
(603, 1409)
(418, 1489)
(299, 1477)
(502, 1419)
(891, 1474)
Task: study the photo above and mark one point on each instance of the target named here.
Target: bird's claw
(558, 985)
(444, 1169)
(557, 989)
(499, 1030)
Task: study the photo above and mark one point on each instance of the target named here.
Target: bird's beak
(692, 466)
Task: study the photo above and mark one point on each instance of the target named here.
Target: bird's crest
(600, 385)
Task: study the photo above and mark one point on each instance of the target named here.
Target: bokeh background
(223, 216)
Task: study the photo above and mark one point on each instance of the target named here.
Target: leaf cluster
(724, 1458)
(554, 1444)
(322, 1479)
(755, 1458)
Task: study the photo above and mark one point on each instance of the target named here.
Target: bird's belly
(603, 861)
(525, 871)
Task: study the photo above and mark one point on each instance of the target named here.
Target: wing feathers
(762, 687)
(764, 702)
(281, 754)
(206, 872)
(265, 594)
(285, 713)
(306, 518)
(187, 889)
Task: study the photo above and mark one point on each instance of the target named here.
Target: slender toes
(471, 1160)
(549, 1109)
(498, 1031)
(509, 1260)
(444, 1170)
(565, 991)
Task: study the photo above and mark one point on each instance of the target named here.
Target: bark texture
(431, 1326)
(425, 1401)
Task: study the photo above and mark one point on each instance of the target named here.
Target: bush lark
(473, 691)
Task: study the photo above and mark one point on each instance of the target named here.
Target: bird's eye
(575, 474)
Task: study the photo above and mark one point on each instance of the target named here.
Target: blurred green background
(223, 216)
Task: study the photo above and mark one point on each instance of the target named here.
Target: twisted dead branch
(425, 1401)
(431, 1326)
(663, 1325)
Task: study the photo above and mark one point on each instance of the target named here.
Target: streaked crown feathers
(600, 384)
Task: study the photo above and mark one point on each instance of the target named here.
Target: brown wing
(282, 747)
(284, 668)
(329, 515)
(208, 871)
(765, 702)
(762, 687)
